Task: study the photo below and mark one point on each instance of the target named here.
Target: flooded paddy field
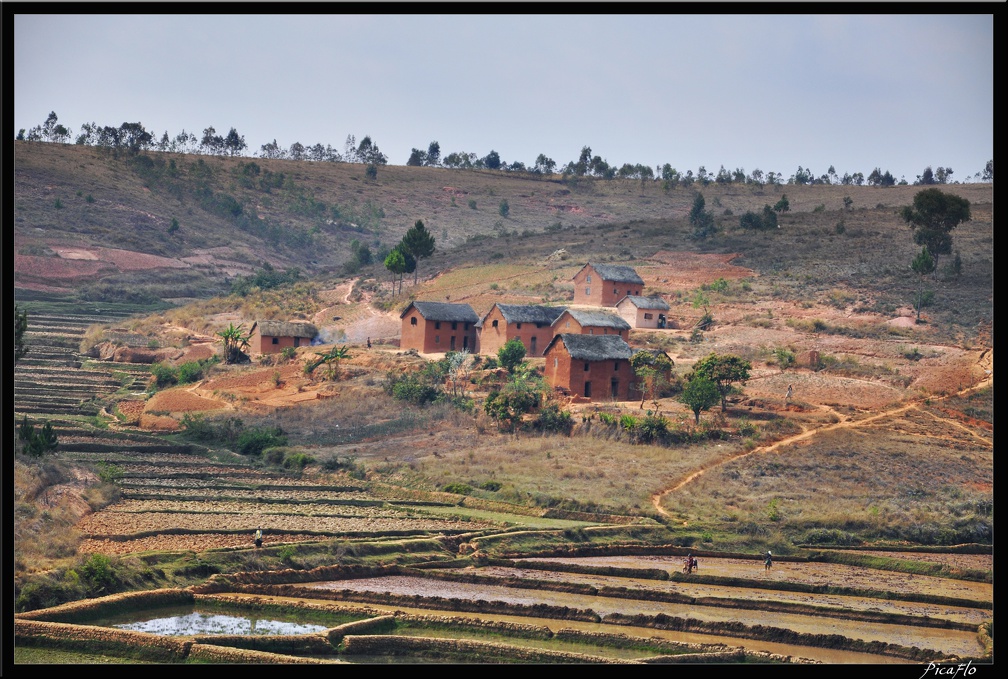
(798, 652)
(947, 641)
(811, 573)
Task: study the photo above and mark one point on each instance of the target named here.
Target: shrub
(412, 388)
(553, 420)
(288, 353)
(491, 485)
(458, 488)
(164, 374)
(191, 371)
(109, 473)
(785, 358)
(198, 428)
(36, 442)
(504, 208)
(254, 441)
(297, 461)
(98, 575)
(651, 429)
(472, 203)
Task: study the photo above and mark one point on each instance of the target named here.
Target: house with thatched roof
(272, 337)
(644, 312)
(605, 284)
(591, 322)
(438, 327)
(595, 367)
(531, 324)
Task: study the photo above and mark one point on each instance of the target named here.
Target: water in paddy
(188, 621)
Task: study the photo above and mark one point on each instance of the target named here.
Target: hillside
(102, 228)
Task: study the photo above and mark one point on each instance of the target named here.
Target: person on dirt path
(258, 537)
(787, 397)
(768, 562)
(368, 342)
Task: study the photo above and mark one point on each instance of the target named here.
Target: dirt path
(985, 361)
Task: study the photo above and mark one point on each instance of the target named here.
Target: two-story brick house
(529, 323)
(605, 284)
(438, 327)
(596, 367)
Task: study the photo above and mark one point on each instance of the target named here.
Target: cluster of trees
(134, 137)
(416, 244)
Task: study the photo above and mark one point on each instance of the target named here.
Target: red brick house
(596, 367)
(272, 337)
(591, 322)
(438, 327)
(644, 312)
(605, 284)
(532, 324)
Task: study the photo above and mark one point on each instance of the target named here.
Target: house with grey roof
(438, 327)
(591, 322)
(594, 367)
(529, 323)
(605, 284)
(644, 312)
(272, 337)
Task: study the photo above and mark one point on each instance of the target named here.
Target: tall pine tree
(418, 242)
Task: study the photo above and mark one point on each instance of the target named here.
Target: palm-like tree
(235, 342)
(330, 358)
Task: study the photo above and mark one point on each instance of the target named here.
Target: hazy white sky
(769, 91)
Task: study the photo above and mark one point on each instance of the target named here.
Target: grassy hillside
(233, 214)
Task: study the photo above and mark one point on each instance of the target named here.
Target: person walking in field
(258, 537)
(787, 397)
(768, 562)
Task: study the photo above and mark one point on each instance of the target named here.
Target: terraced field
(53, 379)
(465, 594)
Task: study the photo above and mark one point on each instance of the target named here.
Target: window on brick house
(276, 340)
(412, 321)
(437, 339)
(588, 291)
(518, 325)
(648, 317)
(437, 325)
(588, 278)
(616, 367)
(454, 325)
(586, 366)
(494, 323)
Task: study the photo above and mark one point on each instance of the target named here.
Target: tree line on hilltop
(134, 138)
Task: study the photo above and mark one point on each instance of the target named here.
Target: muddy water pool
(187, 620)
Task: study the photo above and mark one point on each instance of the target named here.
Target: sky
(774, 92)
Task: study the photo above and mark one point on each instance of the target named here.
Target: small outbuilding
(438, 327)
(531, 324)
(596, 367)
(272, 337)
(644, 312)
(591, 322)
(605, 284)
